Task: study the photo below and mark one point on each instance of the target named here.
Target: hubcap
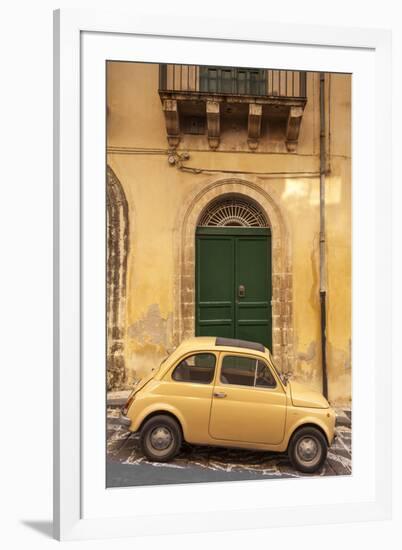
(161, 438)
(308, 449)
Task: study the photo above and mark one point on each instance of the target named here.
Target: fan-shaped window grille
(233, 211)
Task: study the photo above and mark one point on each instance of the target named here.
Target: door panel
(215, 280)
(253, 289)
(229, 258)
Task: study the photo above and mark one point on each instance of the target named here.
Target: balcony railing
(268, 83)
(197, 98)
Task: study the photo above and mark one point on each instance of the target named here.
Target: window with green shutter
(232, 80)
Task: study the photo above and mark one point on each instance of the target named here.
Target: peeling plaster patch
(150, 339)
(152, 328)
(307, 369)
(309, 355)
(339, 382)
(142, 359)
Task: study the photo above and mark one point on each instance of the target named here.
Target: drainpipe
(323, 279)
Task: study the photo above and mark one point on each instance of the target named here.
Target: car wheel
(308, 450)
(161, 438)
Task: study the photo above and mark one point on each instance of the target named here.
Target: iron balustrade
(232, 81)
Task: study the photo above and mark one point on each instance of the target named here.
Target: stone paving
(127, 466)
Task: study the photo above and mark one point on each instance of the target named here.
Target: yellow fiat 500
(219, 391)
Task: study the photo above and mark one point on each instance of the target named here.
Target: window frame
(272, 374)
(257, 358)
(191, 354)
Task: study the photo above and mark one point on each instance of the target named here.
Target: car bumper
(124, 421)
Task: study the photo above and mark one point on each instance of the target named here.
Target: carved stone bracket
(208, 108)
(254, 125)
(172, 122)
(213, 123)
(293, 127)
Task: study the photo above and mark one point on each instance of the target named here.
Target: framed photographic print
(222, 290)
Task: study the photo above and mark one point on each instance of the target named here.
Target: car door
(248, 402)
(188, 389)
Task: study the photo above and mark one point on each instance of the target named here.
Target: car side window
(246, 371)
(198, 368)
(238, 370)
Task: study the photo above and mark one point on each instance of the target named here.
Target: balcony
(197, 99)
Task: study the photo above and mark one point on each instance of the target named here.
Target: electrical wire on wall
(178, 160)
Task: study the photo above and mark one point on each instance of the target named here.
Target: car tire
(161, 438)
(308, 450)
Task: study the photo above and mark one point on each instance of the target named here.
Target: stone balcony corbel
(293, 127)
(213, 123)
(172, 122)
(254, 125)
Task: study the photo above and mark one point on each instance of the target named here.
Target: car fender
(158, 408)
(310, 420)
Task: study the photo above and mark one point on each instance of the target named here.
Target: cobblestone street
(127, 466)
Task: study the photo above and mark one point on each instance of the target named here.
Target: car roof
(218, 343)
(236, 343)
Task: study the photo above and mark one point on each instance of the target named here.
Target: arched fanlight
(233, 211)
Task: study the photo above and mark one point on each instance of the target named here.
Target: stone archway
(282, 310)
(117, 234)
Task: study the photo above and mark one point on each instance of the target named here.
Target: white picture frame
(82, 507)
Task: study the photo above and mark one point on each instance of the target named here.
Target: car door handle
(219, 394)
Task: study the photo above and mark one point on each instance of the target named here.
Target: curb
(343, 417)
(117, 398)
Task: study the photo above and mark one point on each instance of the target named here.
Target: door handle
(220, 394)
(241, 291)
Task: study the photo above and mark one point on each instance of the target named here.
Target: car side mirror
(286, 376)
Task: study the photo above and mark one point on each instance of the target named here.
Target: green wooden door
(233, 283)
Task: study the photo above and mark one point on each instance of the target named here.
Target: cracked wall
(159, 304)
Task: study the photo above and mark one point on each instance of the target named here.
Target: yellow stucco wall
(156, 191)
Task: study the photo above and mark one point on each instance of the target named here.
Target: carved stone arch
(282, 310)
(117, 229)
